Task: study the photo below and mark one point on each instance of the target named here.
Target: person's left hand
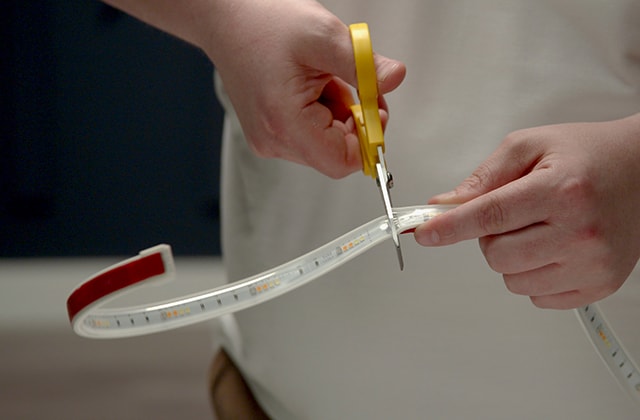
(557, 211)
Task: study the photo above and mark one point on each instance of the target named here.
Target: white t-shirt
(443, 338)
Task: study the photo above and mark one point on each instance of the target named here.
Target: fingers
(568, 300)
(390, 73)
(516, 156)
(523, 250)
(323, 143)
(539, 261)
(511, 207)
(337, 97)
(556, 286)
(328, 48)
(318, 132)
(335, 154)
(506, 192)
(328, 141)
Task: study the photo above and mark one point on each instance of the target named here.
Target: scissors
(367, 120)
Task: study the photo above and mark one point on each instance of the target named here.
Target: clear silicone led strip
(90, 318)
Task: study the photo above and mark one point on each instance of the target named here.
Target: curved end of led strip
(89, 318)
(84, 304)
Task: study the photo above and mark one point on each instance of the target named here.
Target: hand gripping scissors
(367, 120)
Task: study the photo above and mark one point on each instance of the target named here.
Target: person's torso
(444, 338)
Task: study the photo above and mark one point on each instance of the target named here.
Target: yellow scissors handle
(366, 114)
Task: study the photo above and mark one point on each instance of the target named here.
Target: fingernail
(427, 237)
(444, 197)
(435, 237)
(385, 69)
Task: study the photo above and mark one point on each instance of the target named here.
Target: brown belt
(230, 396)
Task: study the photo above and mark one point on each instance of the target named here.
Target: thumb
(390, 73)
(511, 161)
(334, 55)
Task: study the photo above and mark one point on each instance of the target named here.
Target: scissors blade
(367, 118)
(385, 182)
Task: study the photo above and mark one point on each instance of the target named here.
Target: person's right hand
(287, 66)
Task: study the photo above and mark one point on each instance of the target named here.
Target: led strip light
(610, 350)
(90, 318)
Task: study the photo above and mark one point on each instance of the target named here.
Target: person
(537, 100)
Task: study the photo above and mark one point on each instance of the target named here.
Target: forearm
(285, 66)
(190, 20)
(226, 30)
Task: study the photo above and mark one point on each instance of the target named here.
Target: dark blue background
(109, 135)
